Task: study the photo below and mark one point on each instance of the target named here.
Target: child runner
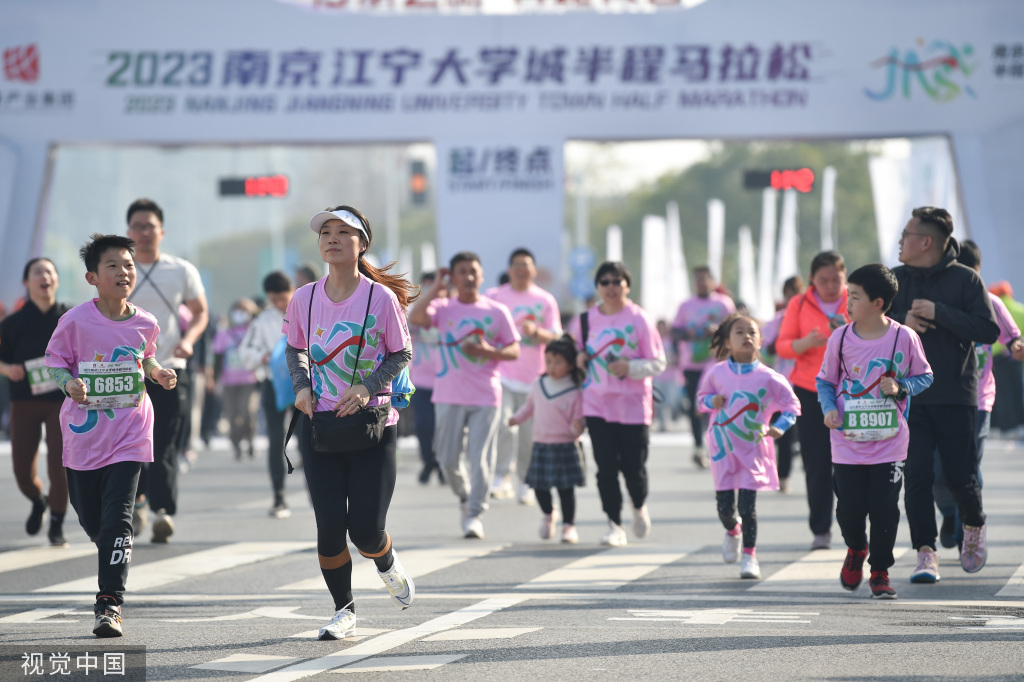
(872, 366)
(476, 334)
(742, 394)
(555, 402)
(98, 355)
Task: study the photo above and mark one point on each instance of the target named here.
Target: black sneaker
(881, 588)
(424, 477)
(108, 620)
(56, 533)
(947, 534)
(35, 518)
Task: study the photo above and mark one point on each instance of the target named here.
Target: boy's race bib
(870, 419)
(39, 380)
(111, 384)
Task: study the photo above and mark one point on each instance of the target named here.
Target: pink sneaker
(927, 570)
(974, 553)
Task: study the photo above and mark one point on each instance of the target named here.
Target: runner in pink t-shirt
(237, 383)
(476, 334)
(535, 313)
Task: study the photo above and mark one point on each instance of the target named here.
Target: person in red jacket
(809, 320)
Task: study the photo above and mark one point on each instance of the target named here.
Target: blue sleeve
(785, 420)
(914, 385)
(708, 401)
(826, 395)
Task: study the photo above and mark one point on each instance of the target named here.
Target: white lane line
(247, 663)
(192, 565)
(817, 572)
(394, 664)
(391, 640)
(418, 562)
(717, 616)
(361, 633)
(18, 559)
(36, 615)
(1014, 587)
(608, 570)
(463, 634)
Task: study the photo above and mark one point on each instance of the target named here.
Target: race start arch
(499, 94)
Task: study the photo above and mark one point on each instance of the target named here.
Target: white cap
(347, 217)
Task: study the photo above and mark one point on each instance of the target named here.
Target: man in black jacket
(946, 303)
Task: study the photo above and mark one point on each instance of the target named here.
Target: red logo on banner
(21, 63)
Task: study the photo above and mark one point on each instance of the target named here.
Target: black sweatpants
(869, 491)
(423, 420)
(351, 493)
(953, 430)
(104, 499)
(159, 480)
(274, 419)
(727, 508)
(816, 450)
(698, 422)
(619, 448)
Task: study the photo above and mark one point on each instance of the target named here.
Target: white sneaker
(502, 488)
(569, 534)
(163, 526)
(749, 568)
(641, 522)
(399, 584)
(343, 625)
(474, 529)
(731, 546)
(280, 511)
(463, 515)
(615, 537)
(547, 526)
(526, 495)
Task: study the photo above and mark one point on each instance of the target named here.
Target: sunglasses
(610, 282)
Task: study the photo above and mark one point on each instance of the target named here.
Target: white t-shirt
(178, 281)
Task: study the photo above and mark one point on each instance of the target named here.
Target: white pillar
(766, 255)
(716, 237)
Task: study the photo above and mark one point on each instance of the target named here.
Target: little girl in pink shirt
(555, 402)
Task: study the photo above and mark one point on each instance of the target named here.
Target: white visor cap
(347, 217)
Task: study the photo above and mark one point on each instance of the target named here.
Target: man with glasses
(946, 303)
(165, 283)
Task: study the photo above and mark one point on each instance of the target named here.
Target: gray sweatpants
(464, 443)
(513, 441)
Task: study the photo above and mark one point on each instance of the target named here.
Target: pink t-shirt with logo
(1008, 331)
(464, 379)
(233, 371)
(742, 457)
(864, 363)
(695, 315)
(425, 352)
(629, 334)
(337, 331)
(535, 305)
(97, 438)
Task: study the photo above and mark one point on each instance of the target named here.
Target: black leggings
(351, 493)
(567, 496)
(727, 513)
(698, 421)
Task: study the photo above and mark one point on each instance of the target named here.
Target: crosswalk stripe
(608, 570)
(417, 561)
(817, 571)
(18, 559)
(1014, 587)
(159, 573)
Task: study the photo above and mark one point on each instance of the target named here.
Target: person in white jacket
(263, 336)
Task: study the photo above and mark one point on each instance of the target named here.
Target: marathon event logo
(21, 67)
(501, 168)
(938, 70)
(497, 78)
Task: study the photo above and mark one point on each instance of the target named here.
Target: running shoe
(947, 533)
(749, 568)
(821, 541)
(975, 552)
(525, 495)
(140, 518)
(474, 529)
(700, 458)
(108, 620)
(641, 522)
(732, 544)
(280, 510)
(56, 534)
(852, 572)
(927, 570)
(342, 626)
(547, 526)
(784, 486)
(569, 534)
(35, 517)
(881, 588)
(163, 527)
(399, 584)
(615, 537)
(502, 488)
(424, 477)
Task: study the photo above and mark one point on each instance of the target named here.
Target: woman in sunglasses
(620, 351)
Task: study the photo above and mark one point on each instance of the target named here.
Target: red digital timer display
(255, 186)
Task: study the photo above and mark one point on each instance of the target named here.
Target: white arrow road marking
(717, 616)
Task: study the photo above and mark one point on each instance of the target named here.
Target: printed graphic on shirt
(700, 324)
(738, 419)
(983, 352)
(607, 347)
(425, 342)
(468, 329)
(92, 417)
(534, 313)
(333, 354)
(854, 387)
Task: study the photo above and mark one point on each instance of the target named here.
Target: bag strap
(585, 328)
